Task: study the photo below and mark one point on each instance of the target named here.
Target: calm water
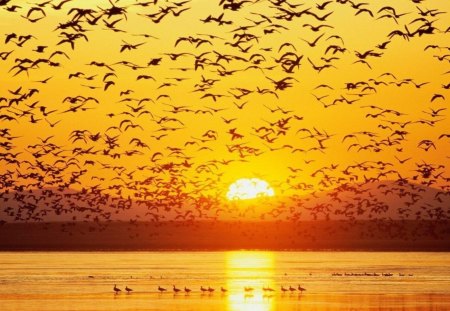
(84, 281)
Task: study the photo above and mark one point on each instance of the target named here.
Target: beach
(333, 280)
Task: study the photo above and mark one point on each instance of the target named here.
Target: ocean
(44, 281)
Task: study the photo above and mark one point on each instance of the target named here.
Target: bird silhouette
(161, 289)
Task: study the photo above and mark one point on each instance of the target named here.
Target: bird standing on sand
(116, 289)
(129, 290)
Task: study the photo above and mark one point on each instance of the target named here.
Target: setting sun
(249, 188)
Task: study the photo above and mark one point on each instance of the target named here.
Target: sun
(249, 188)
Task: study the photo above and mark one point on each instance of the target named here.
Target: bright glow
(250, 269)
(249, 188)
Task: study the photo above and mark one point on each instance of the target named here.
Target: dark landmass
(375, 235)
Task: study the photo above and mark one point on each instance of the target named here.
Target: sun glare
(249, 188)
(250, 269)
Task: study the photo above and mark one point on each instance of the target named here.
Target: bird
(301, 289)
(437, 96)
(161, 289)
(129, 290)
(116, 289)
(176, 290)
(314, 42)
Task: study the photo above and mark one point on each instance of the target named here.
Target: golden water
(84, 281)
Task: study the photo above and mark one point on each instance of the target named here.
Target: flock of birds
(372, 274)
(148, 110)
(210, 290)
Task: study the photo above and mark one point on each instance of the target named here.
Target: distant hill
(371, 235)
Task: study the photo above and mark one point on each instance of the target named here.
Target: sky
(171, 102)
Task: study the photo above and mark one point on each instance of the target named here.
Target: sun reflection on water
(250, 269)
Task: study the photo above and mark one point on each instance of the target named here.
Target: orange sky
(304, 135)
